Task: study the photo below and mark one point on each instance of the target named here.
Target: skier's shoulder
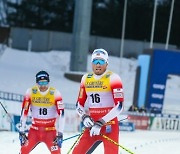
(113, 75)
(33, 89)
(54, 91)
(87, 75)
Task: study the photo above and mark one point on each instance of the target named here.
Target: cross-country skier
(46, 106)
(103, 91)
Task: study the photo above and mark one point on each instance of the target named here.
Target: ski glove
(23, 138)
(95, 130)
(58, 140)
(87, 121)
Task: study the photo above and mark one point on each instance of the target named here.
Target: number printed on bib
(95, 98)
(42, 111)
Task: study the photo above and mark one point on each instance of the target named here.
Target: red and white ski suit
(104, 97)
(46, 108)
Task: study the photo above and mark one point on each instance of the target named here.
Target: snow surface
(139, 142)
(17, 73)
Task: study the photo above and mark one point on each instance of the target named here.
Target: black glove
(23, 138)
(87, 121)
(58, 140)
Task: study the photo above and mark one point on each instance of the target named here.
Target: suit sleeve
(25, 109)
(118, 97)
(81, 98)
(60, 110)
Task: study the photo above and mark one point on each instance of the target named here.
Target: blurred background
(142, 38)
(106, 22)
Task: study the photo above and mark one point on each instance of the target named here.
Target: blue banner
(164, 62)
(127, 126)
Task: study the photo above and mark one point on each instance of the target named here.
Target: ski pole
(76, 141)
(123, 119)
(71, 137)
(11, 120)
(114, 142)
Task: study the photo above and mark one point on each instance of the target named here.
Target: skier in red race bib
(102, 90)
(47, 112)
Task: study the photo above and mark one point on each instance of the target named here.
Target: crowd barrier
(11, 96)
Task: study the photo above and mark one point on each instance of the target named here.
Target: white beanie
(100, 54)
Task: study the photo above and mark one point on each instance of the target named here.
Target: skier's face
(43, 85)
(99, 66)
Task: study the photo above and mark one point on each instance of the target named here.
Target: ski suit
(46, 108)
(104, 95)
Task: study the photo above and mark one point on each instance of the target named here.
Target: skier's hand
(95, 130)
(87, 121)
(23, 138)
(58, 140)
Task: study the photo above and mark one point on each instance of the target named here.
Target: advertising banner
(141, 122)
(165, 123)
(164, 62)
(127, 126)
(16, 125)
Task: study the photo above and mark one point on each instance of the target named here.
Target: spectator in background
(133, 108)
(142, 109)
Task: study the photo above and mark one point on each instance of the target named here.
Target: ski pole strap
(76, 141)
(114, 142)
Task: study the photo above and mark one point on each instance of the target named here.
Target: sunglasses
(98, 61)
(43, 83)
